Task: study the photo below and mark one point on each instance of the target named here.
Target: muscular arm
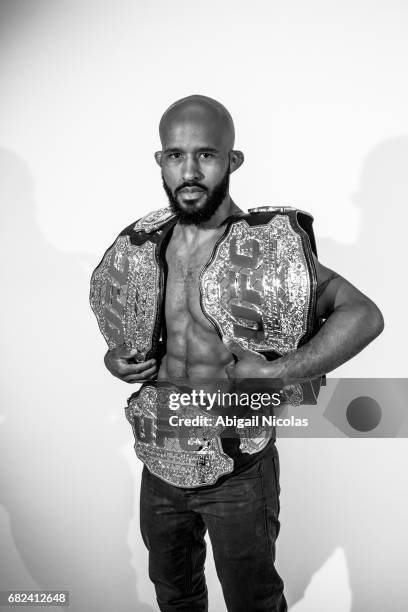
(352, 322)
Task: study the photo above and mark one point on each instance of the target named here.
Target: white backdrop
(318, 92)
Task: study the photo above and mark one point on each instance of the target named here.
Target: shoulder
(139, 232)
(151, 222)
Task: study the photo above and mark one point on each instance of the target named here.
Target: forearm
(344, 334)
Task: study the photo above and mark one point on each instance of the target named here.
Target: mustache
(191, 184)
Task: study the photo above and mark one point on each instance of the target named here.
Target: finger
(146, 375)
(234, 347)
(131, 381)
(127, 352)
(135, 368)
(122, 352)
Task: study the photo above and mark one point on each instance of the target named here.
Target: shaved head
(199, 110)
(197, 157)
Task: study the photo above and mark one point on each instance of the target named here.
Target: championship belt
(194, 459)
(259, 288)
(127, 286)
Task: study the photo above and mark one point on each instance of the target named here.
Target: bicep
(334, 291)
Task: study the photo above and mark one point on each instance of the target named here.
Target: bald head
(200, 111)
(197, 136)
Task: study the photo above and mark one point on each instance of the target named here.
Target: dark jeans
(241, 516)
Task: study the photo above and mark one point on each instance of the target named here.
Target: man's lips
(193, 189)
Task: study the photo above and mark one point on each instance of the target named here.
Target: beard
(215, 198)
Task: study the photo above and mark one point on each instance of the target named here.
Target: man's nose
(191, 169)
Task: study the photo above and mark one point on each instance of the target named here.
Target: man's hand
(119, 362)
(249, 365)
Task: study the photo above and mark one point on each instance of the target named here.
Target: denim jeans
(241, 516)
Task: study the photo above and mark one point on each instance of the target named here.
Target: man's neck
(225, 210)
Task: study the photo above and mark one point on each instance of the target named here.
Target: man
(240, 511)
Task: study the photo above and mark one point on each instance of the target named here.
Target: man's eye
(206, 155)
(175, 155)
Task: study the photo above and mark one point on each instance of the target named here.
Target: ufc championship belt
(192, 457)
(259, 288)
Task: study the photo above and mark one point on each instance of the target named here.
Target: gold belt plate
(125, 295)
(195, 460)
(258, 288)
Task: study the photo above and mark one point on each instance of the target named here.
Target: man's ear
(158, 157)
(236, 160)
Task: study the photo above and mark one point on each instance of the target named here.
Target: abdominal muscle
(194, 349)
(194, 354)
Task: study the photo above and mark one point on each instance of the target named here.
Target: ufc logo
(247, 289)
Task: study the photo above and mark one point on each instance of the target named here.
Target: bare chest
(185, 264)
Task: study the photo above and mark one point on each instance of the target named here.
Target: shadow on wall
(375, 263)
(352, 493)
(65, 485)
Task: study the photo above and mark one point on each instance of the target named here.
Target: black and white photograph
(204, 383)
